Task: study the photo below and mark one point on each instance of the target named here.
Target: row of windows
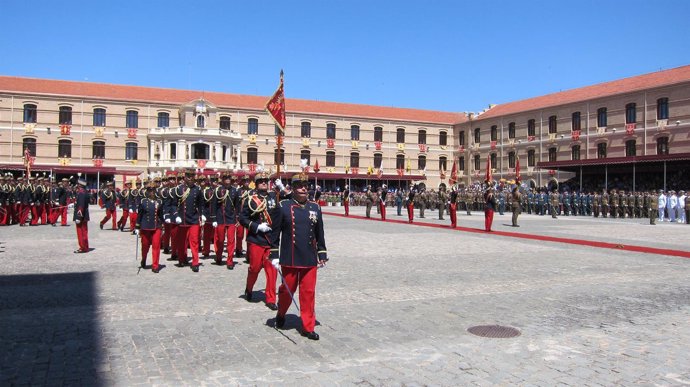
(97, 149)
(575, 121)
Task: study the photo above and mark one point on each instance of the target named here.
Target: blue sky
(438, 55)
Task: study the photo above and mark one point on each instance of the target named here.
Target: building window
(601, 150)
(461, 163)
(421, 162)
(305, 154)
(494, 133)
(163, 120)
(630, 148)
(442, 163)
(532, 127)
(98, 150)
(354, 132)
(330, 131)
(531, 159)
(493, 161)
(99, 117)
(225, 123)
(132, 119)
(602, 118)
(421, 137)
(225, 153)
(399, 161)
(575, 152)
(200, 121)
(662, 146)
(131, 151)
(400, 136)
(173, 151)
(576, 121)
(354, 160)
(330, 159)
(378, 133)
(511, 160)
(553, 124)
(552, 154)
(662, 109)
(306, 129)
(477, 163)
(65, 115)
(30, 144)
(279, 156)
(252, 126)
(378, 160)
(30, 113)
(65, 148)
(511, 130)
(630, 113)
(477, 136)
(461, 138)
(201, 151)
(252, 156)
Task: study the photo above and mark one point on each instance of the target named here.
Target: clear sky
(439, 55)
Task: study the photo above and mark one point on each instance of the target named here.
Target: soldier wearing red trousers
(187, 217)
(410, 204)
(149, 225)
(490, 205)
(4, 202)
(299, 246)
(244, 193)
(164, 195)
(123, 198)
(453, 207)
(224, 219)
(346, 200)
(133, 204)
(256, 216)
(383, 191)
(108, 198)
(81, 217)
(206, 230)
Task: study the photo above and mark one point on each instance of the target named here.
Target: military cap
(300, 178)
(263, 175)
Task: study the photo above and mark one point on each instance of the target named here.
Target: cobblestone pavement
(394, 306)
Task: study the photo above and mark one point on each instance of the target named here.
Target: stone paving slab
(394, 305)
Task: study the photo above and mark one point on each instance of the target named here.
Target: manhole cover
(494, 331)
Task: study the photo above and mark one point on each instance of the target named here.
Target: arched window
(30, 113)
(252, 156)
(65, 148)
(65, 115)
(400, 161)
(354, 160)
(461, 138)
(421, 136)
(98, 150)
(400, 136)
(132, 119)
(354, 132)
(98, 117)
(330, 158)
(477, 136)
(306, 129)
(163, 120)
(305, 154)
(330, 131)
(30, 144)
(200, 121)
(378, 160)
(131, 151)
(378, 133)
(252, 126)
(225, 123)
(279, 158)
(443, 163)
(421, 162)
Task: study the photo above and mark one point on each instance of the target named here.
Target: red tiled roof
(222, 100)
(606, 89)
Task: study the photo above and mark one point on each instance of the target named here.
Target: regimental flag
(27, 161)
(379, 173)
(517, 170)
(276, 106)
(453, 174)
(316, 167)
(489, 177)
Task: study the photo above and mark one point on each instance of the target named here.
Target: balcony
(187, 132)
(193, 163)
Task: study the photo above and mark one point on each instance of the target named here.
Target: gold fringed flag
(489, 177)
(454, 174)
(276, 106)
(517, 171)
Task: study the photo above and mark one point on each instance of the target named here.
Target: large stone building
(108, 131)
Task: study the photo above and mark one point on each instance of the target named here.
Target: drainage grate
(494, 331)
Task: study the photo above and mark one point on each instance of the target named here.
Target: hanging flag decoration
(276, 106)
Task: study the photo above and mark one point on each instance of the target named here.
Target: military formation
(34, 201)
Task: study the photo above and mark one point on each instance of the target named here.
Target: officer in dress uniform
(81, 217)
(410, 203)
(453, 206)
(149, 226)
(346, 200)
(224, 219)
(298, 230)
(206, 230)
(382, 201)
(133, 204)
(123, 198)
(243, 193)
(108, 198)
(188, 216)
(257, 217)
(489, 207)
(164, 195)
(4, 201)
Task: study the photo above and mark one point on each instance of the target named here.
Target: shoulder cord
(259, 204)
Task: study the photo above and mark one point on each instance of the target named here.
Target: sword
(287, 287)
(136, 254)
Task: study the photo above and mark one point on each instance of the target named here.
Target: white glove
(178, 220)
(136, 232)
(279, 184)
(276, 263)
(167, 220)
(264, 227)
(214, 224)
(77, 221)
(203, 218)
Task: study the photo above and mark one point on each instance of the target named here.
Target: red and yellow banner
(276, 106)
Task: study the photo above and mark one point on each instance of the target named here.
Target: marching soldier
(257, 217)
(188, 215)
(207, 232)
(298, 230)
(243, 194)
(81, 217)
(167, 203)
(489, 207)
(108, 198)
(123, 198)
(149, 225)
(224, 218)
